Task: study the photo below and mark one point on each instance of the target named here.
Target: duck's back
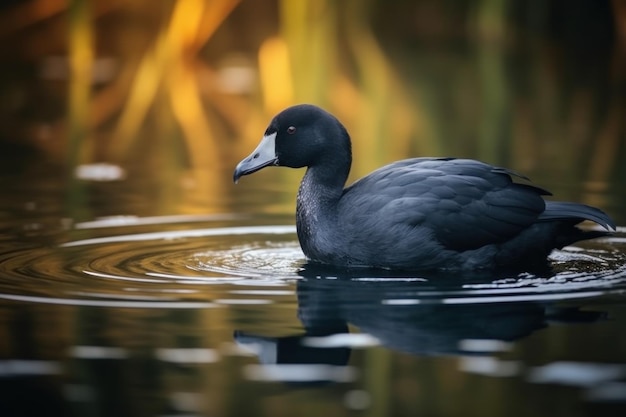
(465, 203)
(438, 212)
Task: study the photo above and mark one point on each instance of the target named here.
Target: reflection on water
(425, 326)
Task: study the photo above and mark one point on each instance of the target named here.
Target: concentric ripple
(174, 268)
(199, 255)
(165, 268)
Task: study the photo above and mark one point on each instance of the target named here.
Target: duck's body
(423, 213)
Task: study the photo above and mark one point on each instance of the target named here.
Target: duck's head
(299, 136)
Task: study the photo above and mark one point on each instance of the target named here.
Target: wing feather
(467, 204)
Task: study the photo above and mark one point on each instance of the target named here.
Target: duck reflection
(425, 315)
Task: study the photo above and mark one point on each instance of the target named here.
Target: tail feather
(556, 210)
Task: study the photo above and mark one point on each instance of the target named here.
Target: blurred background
(179, 91)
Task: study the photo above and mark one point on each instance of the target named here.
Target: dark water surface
(111, 306)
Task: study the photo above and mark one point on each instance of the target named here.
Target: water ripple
(257, 265)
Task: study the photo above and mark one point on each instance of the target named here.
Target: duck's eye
(291, 130)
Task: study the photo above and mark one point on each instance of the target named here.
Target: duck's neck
(320, 189)
(318, 197)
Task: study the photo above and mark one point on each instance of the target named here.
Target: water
(155, 311)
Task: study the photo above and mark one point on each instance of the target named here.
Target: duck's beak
(264, 155)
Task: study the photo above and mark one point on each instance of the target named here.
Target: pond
(114, 303)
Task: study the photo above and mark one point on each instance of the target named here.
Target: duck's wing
(465, 203)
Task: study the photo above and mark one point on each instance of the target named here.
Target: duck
(424, 213)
